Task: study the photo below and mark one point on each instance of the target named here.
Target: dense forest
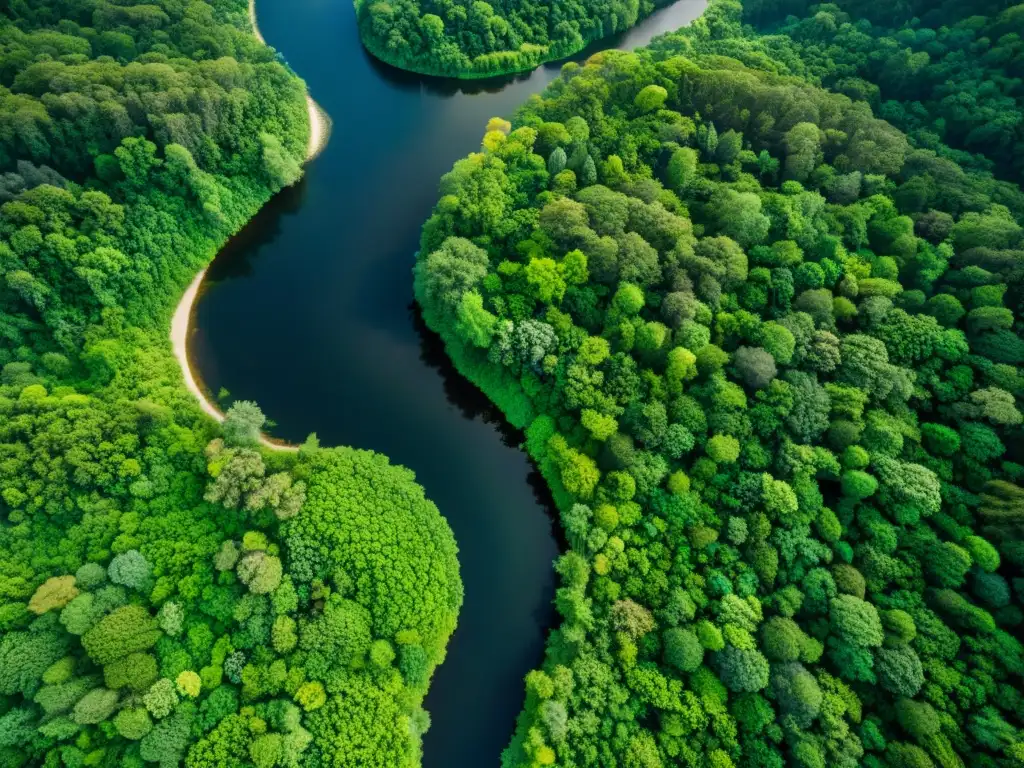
(766, 349)
(753, 293)
(479, 39)
(951, 74)
(171, 593)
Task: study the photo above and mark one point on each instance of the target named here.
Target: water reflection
(442, 87)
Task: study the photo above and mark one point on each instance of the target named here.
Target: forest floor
(319, 130)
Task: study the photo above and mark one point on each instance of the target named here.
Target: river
(309, 312)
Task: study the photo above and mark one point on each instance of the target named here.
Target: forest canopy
(166, 594)
(766, 349)
(949, 74)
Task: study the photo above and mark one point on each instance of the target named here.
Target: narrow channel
(309, 312)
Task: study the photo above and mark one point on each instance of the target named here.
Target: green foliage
(125, 630)
(136, 671)
(130, 569)
(133, 628)
(363, 726)
(161, 698)
(242, 424)
(808, 334)
(899, 671)
(370, 521)
(682, 649)
(133, 724)
(95, 707)
(483, 40)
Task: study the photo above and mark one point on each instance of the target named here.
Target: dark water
(309, 312)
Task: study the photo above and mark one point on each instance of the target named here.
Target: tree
(859, 485)
(682, 169)
(631, 618)
(556, 161)
(127, 629)
(742, 670)
(188, 683)
(739, 215)
(545, 280)
(243, 423)
(237, 473)
(171, 618)
(55, 592)
(167, 742)
(899, 671)
(650, 98)
(755, 365)
(865, 365)
(340, 635)
(682, 649)
(638, 261)
(628, 299)
(855, 621)
(133, 723)
(447, 273)
(137, 671)
(260, 572)
(599, 425)
(95, 707)
(797, 693)
(161, 698)
(781, 639)
(282, 168)
(947, 564)
(130, 569)
(723, 449)
(90, 576)
(588, 173)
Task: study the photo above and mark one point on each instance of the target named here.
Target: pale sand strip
(319, 122)
(319, 130)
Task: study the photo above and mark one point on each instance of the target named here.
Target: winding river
(309, 312)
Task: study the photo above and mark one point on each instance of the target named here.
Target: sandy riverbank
(319, 131)
(180, 324)
(319, 122)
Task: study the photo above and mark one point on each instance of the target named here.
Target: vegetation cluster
(479, 39)
(766, 349)
(951, 75)
(169, 594)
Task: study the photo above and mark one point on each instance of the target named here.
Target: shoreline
(319, 121)
(471, 75)
(181, 320)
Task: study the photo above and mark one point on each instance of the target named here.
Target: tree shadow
(474, 404)
(236, 258)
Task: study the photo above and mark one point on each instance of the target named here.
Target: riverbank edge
(506, 393)
(319, 120)
(181, 320)
(381, 55)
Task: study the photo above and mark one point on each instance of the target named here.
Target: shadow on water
(470, 401)
(237, 258)
(443, 87)
(474, 405)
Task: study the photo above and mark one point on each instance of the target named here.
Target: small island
(480, 40)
